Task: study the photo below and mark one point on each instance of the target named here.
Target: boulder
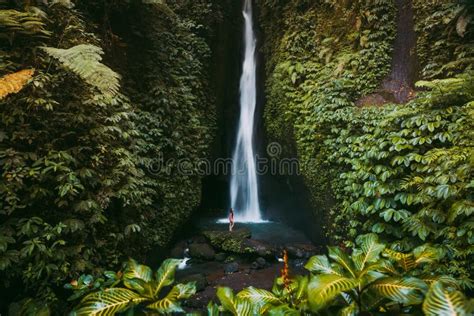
(201, 251)
(261, 262)
(229, 241)
(231, 267)
(239, 242)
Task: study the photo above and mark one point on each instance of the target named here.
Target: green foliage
(445, 37)
(77, 149)
(84, 60)
(446, 300)
(371, 283)
(411, 172)
(403, 171)
(373, 279)
(23, 25)
(142, 291)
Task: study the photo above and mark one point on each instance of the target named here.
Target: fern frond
(14, 22)
(85, 61)
(14, 82)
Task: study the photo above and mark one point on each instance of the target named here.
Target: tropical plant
(84, 60)
(373, 279)
(399, 170)
(445, 299)
(141, 290)
(368, 281)
(14, 82)
(78, 150)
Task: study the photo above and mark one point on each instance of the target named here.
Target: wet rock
(199, 279)
(261, 262)
(231, 267)
(220, 257)
(302, 251)
(259, 248)
(201, 251)
(229, 241)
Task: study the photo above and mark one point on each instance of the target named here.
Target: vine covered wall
(401, 170)
(80, 153)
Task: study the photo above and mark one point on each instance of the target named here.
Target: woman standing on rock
(231, 219)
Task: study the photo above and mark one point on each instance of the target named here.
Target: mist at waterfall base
(243, 183)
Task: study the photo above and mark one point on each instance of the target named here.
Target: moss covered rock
(240, 242)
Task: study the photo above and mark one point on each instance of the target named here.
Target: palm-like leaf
(343, 259)
(445, 301)
(84, 60)
(235, 305)
(258, 296)
(226, 297)
(107, 302)
(135, 275)
(322, 289)
(321, 264)
(21, 23)
(212, 309)
(369, 251)
(426, 254)
(406, 261)
(302, 292)
(406, 291)
(171, 304)
(165, 275)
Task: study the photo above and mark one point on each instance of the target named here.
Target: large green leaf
(426, 254)
(212, 309)
(226, 297)
(406, 261)
(171, 304)
(406, 291)
(283, 310)
(322, 289)
(321, 264)
(302, 292)
(343, 259)
(369, 251)
(107, 302)
(235, 305)
(442, 300)
(165, 275)
(135, 275)
(245, 308)
(258, 296)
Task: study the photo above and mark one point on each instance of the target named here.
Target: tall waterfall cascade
(243, 182)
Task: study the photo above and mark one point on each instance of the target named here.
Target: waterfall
(243, 183)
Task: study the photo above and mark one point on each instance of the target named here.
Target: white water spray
(243, 183)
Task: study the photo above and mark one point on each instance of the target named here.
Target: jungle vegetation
(92, 93)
